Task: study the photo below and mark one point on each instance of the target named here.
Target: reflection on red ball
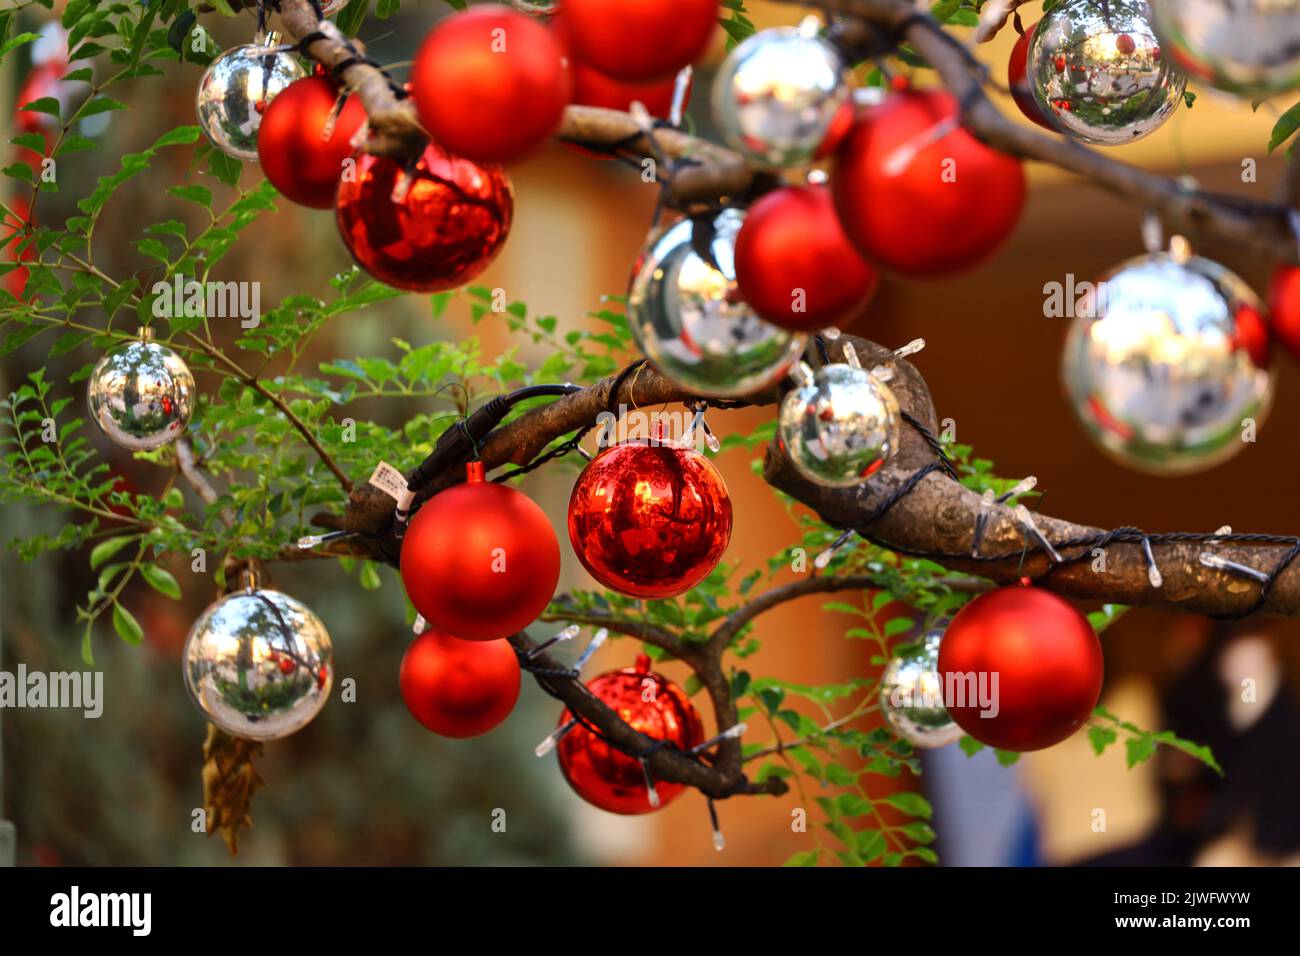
(794, 264)
(920, 195)
(1018, 80)
(459, 688)
(491, 84)
(300, 162)
(480, 560)
(449, 226)
(653, 705)
(1036, 659)
(638, 40)
(649, 519)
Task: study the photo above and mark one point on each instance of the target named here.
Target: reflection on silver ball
(778, 94)
(236, 90)
(911, 697)
(1158, 366)
(1247, 47)
(141, 395)
(840, 427)
(259, 664)
(1098, 73)
(687, 315)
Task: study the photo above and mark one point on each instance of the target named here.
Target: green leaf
(806, 858)
(1139, 750)
(100, 105)
(913, 804)
(161, 580)
(106, 549)
(127, 627)
(46, 104)
(1285, 127)
(1101, 738)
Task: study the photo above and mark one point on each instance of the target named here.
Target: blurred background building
(365, 784)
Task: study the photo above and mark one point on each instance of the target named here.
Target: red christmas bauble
(794, 265)
(638, 40)
(301, 162)
(1030, 660)
(490, 84)
(1284, 307)
(480, 560)
(459, 688)
(919, 198)
(650, 519)
(652, 704)
(594, 88)
(1018, 80)
(446, 229)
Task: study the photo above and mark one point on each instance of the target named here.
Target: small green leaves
(161, 580)
(127, 627)
(105, 550)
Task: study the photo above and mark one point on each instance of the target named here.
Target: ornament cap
(474, 471)
(642, 665)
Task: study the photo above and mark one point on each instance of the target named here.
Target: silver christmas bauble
(840, 427)
(686, 313)
(778, 94)
(236, 90)
(1098, 73)
(911, 697)
(1158, 364)
(141, 395)
(1247, 47)
(259, 664)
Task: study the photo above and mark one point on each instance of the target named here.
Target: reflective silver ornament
(1098, 73)
(1158, 367)
(141, 395)
(236, 90)
(778, 94)
(259, 664)
(1247, 47)
(911, 697)
(686, 313)
(840, 426)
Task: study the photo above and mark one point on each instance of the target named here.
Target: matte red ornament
(446, 229)
(1046, 659)
(650, 519)
(1018, 80)
(918, 194)
(594, 88)
(1284, 306)
(491, 84)
(459, 688)
(652, 704)
(480, 560)
(796, 267)
(638, 40)
(298, 159)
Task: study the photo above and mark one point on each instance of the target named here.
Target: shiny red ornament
(491, 84)
(1047, 661)
(920, 195)
(652, 704)
(594, 88)
(459, 688)
(298, 158)
(446, 229)
(480, 560)
(1284, 307)
(1018, 80)
(650, 519)
(795, 266)
(638, 40)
